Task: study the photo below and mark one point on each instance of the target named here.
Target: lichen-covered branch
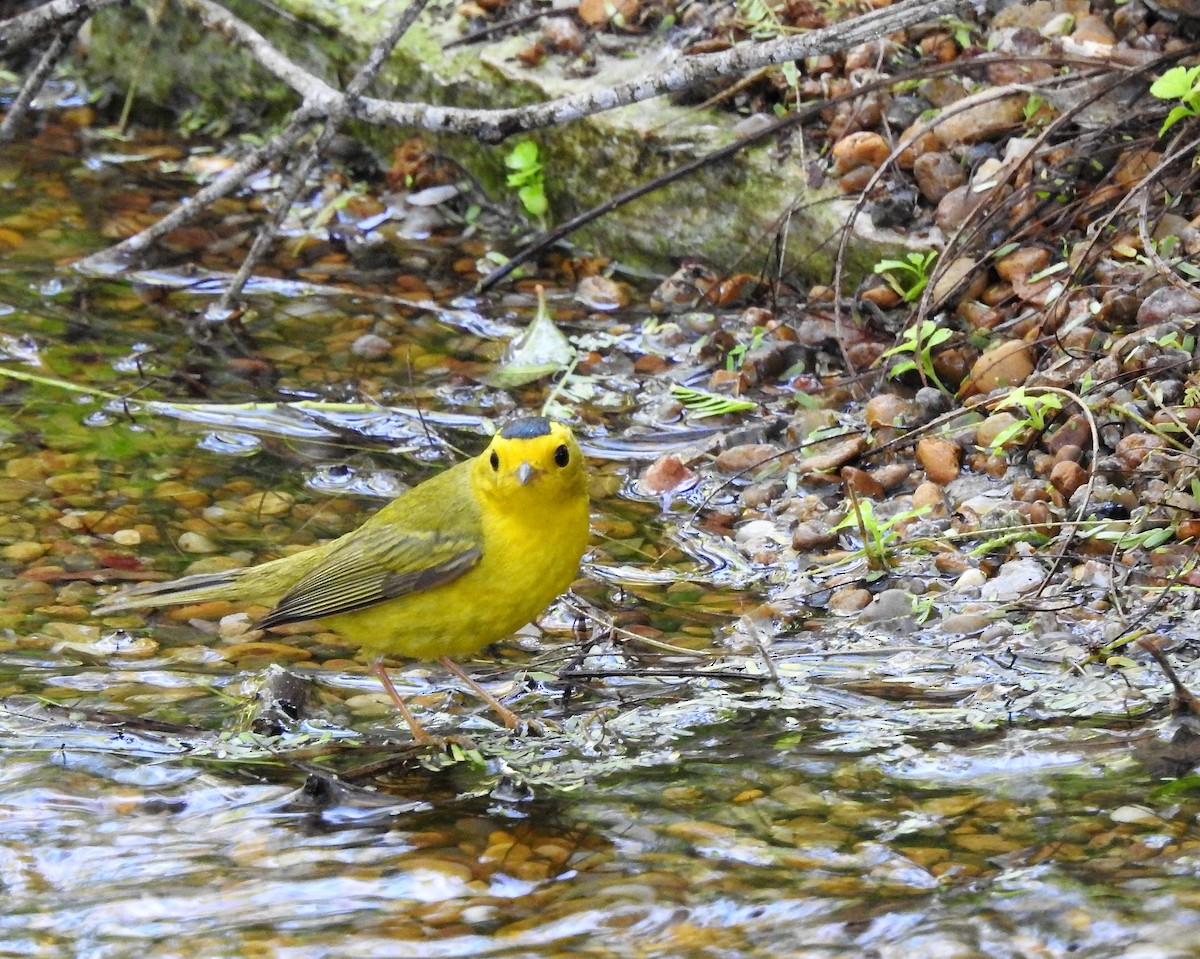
(25, 29)
(494, 125)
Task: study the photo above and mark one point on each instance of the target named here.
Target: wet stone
(937, 173)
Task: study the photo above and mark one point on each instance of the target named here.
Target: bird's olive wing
(374, 572)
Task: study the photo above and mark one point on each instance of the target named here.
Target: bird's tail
(189, 589)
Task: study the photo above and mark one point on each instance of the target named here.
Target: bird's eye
(562, 456)
(494, 459)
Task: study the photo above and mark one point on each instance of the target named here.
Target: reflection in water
(871, 797)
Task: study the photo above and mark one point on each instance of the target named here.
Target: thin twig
(25, 29)
(492, 126)
(37, 77)
(299, 174)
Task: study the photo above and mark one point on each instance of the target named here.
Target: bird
(449, 566)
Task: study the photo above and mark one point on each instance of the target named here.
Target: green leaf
(702, 403)
(533, 198)
(523, 156)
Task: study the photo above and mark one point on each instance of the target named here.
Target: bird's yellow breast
(532, 535)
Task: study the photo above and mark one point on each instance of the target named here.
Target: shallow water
(880, 795)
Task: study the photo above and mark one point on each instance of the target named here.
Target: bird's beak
(525, 473)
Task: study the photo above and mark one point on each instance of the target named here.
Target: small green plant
(737, 354)
(1032, 106)
(910, 276)
(879, 536)
(1182, 84)
(526, 177)
(917, 344)
(1038, 410)
(703, 403)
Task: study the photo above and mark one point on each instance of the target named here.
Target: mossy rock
(727, 213)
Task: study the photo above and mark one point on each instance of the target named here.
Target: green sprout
(1182, 84)
(1038, 411)
(703, 403)
(917, 344)
(526, 177)
(910, 276)
(879, 536)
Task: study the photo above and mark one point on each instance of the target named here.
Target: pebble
(884, 409)
(940, 458)
(371, 346)
(888, 606)
(956, 207)
(993, 426)
(745, 457)
(964, 624)
(127, 537)
(862, 482)
(1166, 304)
(848, 599)
(25, 552)
(667, 473)
(1014, 579)
(601, 293)
(1067, 476)
(862, 148)
(1022, 263)
(812, 535)
(937, 173)
(191, 542)
(930, 496)
(1007, 364)
(597, 13)
(920, 139)
(958, 126)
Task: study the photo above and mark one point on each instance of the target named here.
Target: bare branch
(495, 125)
(333, 122)
(37, 77)
(27, 28)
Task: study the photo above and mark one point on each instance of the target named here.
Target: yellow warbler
(446, 568)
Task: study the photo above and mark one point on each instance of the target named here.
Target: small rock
(601, 293)
(737, 459)
(191, 542)
(1015, 578)
(863, 148)
(993, 426)
(1166, 304)
(956, 207)
(982, 121)
(371, 347)
(1022, 263)
(812, 535)
(1006, 364)
(597, 13)
(848, 599)
(1090, 28)
(883, 410)
(667, 473)
(562, 35)
(127, 537)
(862, 482)
(755, 533)
(1067, 476)
(940, 458)
(930, 496)
(937, 173)
(928, 405)
(25, 551)
(964, 624)
(891, 475)
(889, 606)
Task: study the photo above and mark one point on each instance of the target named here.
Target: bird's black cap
(526, 428)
